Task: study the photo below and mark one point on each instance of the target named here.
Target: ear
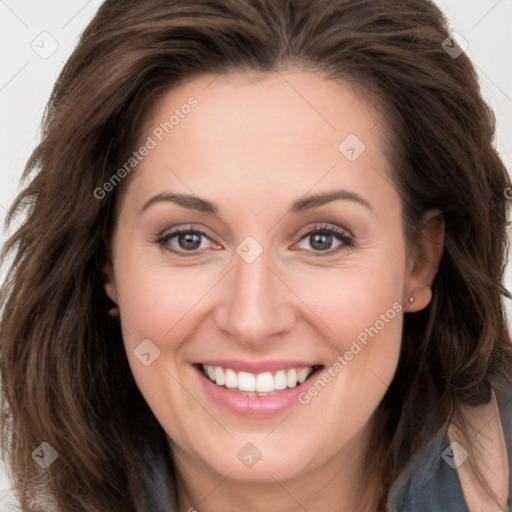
(423, 261)
(109, 282)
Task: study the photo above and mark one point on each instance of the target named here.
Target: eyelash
(348, 240)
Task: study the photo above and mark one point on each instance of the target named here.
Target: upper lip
(257, 366)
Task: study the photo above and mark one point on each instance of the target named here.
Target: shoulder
(428, 483)
(436, 478)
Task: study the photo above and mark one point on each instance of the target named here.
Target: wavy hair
(64, 373)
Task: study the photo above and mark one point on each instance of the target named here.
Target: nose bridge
(257, 305)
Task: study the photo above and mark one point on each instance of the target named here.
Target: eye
(187, 241)
(321, 238)
(182, 241)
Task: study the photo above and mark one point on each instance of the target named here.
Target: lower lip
(253, 406)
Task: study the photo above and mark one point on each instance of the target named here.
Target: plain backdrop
(37, 37)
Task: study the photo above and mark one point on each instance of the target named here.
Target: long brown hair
(65, 375)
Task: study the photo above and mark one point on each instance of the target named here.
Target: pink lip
(252, 406)
(257, 367)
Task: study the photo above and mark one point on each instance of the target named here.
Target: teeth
(265, 382)
(262, 383)
(219, 376)
(246, 381)
(302, 375)
(231, 380)
(291, 378)
(211, 372)
(280, 380)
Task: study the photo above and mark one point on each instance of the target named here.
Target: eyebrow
(192, 202)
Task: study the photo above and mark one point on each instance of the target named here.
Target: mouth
(261, 384)
(255, 390)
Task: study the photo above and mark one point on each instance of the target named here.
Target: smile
(259, 384)
(256, 390)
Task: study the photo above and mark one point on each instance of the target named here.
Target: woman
(261, 268)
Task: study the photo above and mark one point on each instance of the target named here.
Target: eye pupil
(191, 240)
(324, 240)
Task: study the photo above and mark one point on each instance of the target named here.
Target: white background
(26, 79)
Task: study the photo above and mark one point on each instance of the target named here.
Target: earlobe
(425, 257)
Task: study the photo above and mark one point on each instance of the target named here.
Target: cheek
(155, 299)
(361, 309)
(350, 301)
(158, 303)
(364, 317)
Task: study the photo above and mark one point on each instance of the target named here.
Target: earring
(411, 299)
(114, 311)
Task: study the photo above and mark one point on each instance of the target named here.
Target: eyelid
(190, 226)
(320, 226)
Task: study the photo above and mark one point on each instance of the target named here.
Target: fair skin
(253, 147)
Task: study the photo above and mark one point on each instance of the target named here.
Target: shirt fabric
(430, 484)
(427, 484)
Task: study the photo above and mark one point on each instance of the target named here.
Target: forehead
(290, 128)
(293, 105)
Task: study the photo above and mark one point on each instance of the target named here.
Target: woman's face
(255, 291)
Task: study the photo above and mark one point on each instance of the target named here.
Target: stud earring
(411, 299)
(114, 311)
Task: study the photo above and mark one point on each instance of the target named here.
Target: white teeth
(230, 377)
(291, 378)
(246, 381)
(219, 376)
(280, 381)
(262, 383)
(265, 382)
(302, 374)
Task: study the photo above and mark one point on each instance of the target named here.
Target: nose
(257, 305)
